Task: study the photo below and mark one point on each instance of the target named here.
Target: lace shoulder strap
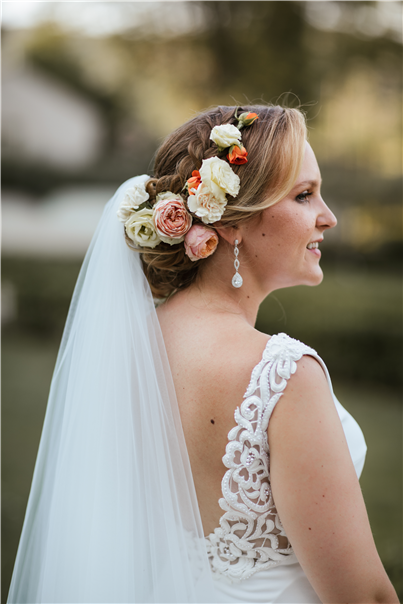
(249, 437)
(250, 536)
(278, 364)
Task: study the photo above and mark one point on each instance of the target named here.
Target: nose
(326, 219)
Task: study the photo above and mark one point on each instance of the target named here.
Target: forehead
(309, 169)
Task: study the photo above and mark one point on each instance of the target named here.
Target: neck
(213, 291)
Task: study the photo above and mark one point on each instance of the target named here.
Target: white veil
(112, 515)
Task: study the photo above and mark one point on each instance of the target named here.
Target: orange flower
(246, 119)
(252, 117)
(200, 242)
(194, 181)
(237, 155)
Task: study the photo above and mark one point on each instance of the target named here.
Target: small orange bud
(251, 117)
(237, 155)
(246, 119)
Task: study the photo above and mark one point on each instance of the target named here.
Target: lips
(314, 244)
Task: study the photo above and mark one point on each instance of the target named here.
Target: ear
(228, 233)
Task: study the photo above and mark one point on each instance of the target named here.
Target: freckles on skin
(277, 242)
(288, 230)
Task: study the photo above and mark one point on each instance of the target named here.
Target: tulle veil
(112, 514)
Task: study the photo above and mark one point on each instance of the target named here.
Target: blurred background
(89, 92)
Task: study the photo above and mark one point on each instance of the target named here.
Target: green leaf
(145, 204)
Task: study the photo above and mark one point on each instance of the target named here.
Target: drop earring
(236, 279)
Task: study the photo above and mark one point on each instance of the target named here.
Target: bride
(185, 456)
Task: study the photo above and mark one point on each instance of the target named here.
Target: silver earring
(236, 279)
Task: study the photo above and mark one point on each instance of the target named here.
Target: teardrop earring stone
(237, 280)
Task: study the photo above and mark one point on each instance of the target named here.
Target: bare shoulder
(308, 383)
(306, 405)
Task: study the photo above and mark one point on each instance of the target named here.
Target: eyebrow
(312, 183)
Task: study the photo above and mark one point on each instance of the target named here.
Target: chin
(315, 279)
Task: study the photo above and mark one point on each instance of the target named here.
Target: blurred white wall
(45, 121)
(61, 225)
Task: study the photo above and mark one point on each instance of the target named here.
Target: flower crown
(168, 220)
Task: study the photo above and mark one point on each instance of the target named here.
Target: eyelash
(304, 195)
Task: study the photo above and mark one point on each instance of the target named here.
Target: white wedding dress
(250, 556)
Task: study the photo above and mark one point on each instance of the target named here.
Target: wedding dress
(250, 556)
(112, 514)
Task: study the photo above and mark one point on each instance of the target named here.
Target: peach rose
(200, 242)
(237, 156)
(172, 220)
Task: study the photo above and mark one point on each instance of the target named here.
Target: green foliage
(44, 289)
(353, 320)
(268, 48)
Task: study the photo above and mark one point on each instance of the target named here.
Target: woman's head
(275, 146)
(280, 247)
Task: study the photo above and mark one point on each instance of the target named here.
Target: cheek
(286, 229)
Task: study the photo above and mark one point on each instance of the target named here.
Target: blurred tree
(268, 48)
(259, 48)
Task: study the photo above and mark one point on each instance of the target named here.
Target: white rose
(215, 170)
(208, 203)
(140, 228)
(133, 197)
(225, 136)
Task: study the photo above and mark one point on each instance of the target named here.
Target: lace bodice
(250, 536)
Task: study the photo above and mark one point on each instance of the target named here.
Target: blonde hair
(275, 144)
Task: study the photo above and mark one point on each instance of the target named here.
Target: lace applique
(250, 536)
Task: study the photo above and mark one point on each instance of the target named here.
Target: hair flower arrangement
(229, 136)
(168, 220)
(216, 179)
(146, 225)
(209, 186)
